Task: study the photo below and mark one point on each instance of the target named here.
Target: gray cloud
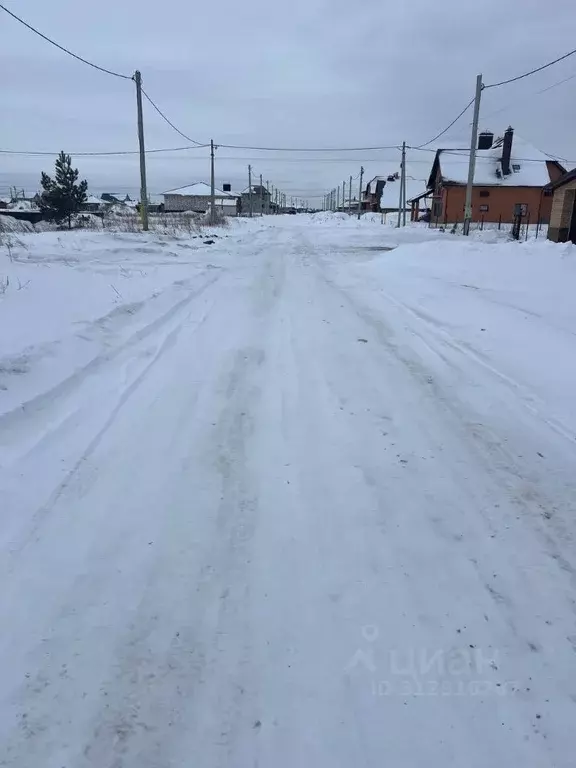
(310, 73)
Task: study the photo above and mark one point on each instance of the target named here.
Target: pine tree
(62, 196)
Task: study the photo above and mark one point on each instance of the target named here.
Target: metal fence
(527, 228)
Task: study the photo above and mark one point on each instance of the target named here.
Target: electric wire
(532, 71)
(62, 48)
(307, 149)
(30, 153)
(466, 108)
(171, 124)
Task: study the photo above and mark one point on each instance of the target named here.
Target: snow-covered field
(288, 499)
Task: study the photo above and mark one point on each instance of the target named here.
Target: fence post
(482, 224)
(500, 222)
(527, 228)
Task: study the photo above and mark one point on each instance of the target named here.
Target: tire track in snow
(105, 419)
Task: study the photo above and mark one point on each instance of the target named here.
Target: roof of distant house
(23, 205)
(93, 200)
(527, 164)
(391, 193)
(199, 189)
(255, 190)
(565, 179)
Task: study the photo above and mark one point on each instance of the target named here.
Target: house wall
(500, 202)
(562, 211)
(197, 204)
(257, 206)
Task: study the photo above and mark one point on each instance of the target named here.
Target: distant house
(563, 214)
(509, 172)
(260, 199)
(373, 193)
(420, 203)
(24, 210)
(196, 198)
(113, 199)
(390, 198)
(92, 205)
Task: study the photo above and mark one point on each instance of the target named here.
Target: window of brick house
(484, 193)
(436, 208)
(484, 209)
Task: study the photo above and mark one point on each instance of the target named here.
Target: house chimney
(485, 140)
(507, 151)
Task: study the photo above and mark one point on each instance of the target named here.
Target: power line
(29, 153)
(532, 71)
(239, 158)
(529, 95)
(171, 124)
(61, 47)
(465, 152)
(466, 108)
(307, 149)
(453, 152)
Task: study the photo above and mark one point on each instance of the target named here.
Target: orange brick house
(508, 171)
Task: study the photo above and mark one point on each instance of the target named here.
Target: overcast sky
(307, 73)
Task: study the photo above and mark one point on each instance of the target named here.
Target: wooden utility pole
(404, 192)
(402, 184)
(267, 197)
(143, 189)
(343, 196)
(261, 197)
(250, 189)
(472, 161)
(360, 193)
(212, 186)
(350, 195)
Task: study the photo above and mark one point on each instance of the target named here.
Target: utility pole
(250, 189)
(261, 197)
(472, 162)
(143, 189)
(268, 197)
(276, 200)
(402, 184)
(404, 196)
(343, 196)
(350, 196)
(360, 193)
(212, 186)
(338, 197)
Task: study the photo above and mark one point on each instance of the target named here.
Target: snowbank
(509, 305)
(65, 297)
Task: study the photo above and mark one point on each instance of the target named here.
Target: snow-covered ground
(289, 499)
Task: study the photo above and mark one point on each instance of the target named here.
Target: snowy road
(294, 521)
